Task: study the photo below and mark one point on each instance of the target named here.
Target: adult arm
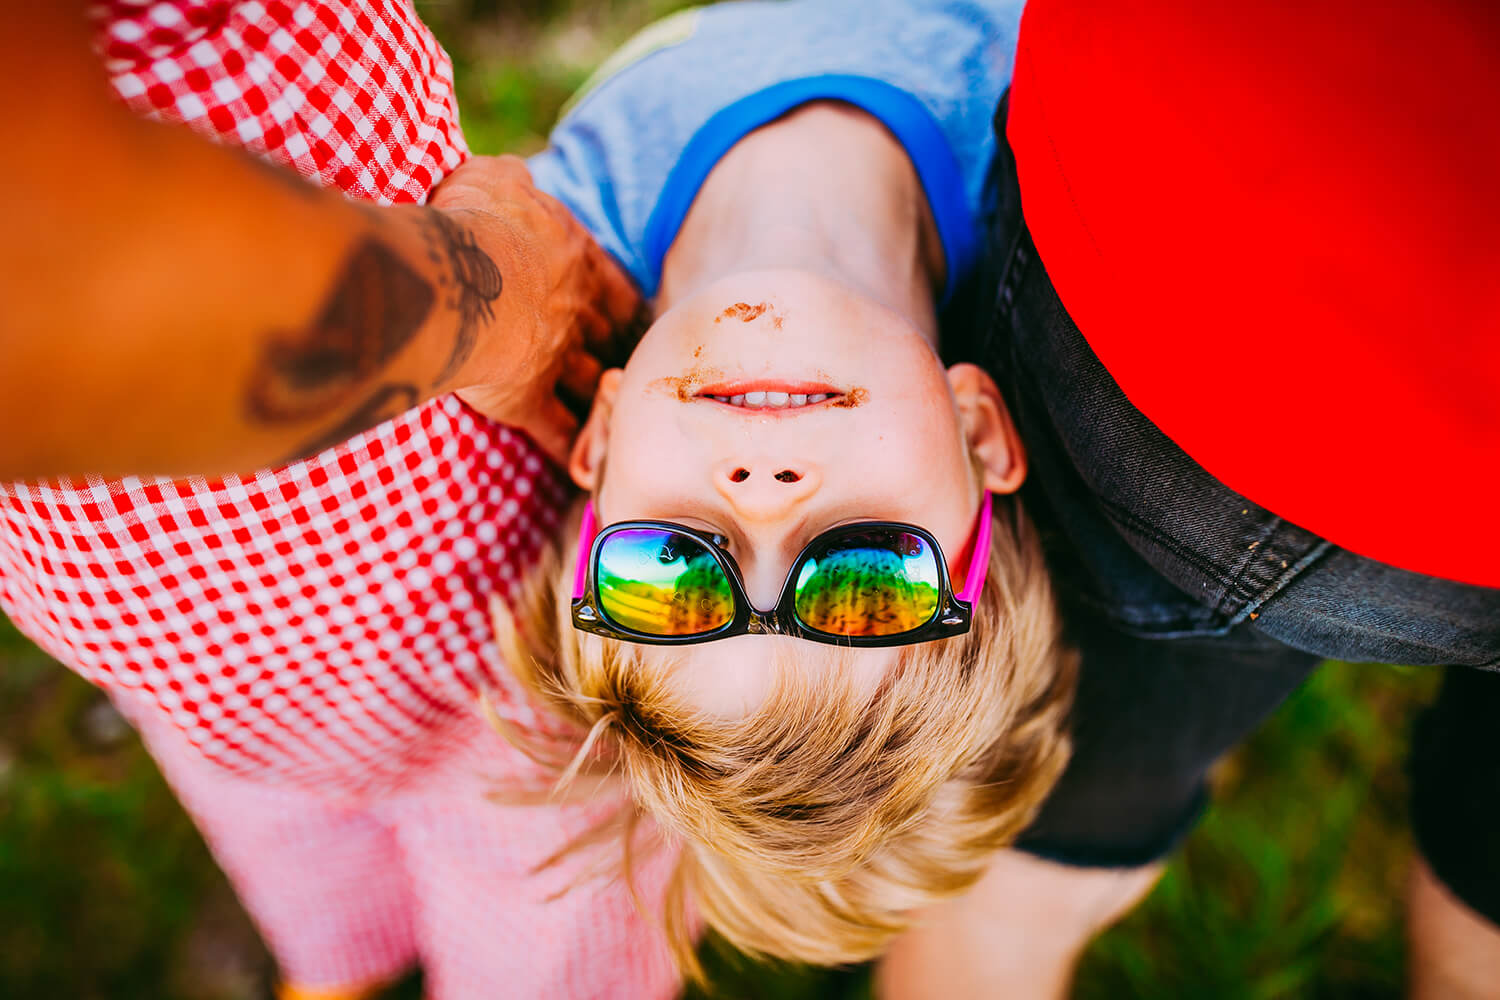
(174, 307)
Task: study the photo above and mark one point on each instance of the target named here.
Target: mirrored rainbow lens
(876, 582)
(660, 582)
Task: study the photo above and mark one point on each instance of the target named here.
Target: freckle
(698, 351)
(776, 322)
(743, 311)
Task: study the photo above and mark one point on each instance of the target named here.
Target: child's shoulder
(647, 127)
(730, 48)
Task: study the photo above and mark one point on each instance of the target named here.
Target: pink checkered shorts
(304, 649)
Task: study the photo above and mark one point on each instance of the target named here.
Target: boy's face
(890, 442)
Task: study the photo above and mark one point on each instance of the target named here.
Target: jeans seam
(1236, 584)
(1292, 571)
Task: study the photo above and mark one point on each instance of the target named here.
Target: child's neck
(826, 189)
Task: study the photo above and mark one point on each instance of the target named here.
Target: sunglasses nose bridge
(766, 622)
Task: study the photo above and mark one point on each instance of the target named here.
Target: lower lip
(768, 385)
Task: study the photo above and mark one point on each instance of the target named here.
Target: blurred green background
(1291, 887)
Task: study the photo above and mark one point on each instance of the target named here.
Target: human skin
(1017, 933)
(774, 283)
(1455, 952)
(176, 307)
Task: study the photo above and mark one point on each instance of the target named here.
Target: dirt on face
(745, 312)
(691, 382)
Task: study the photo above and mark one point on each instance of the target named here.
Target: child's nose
(765, 489)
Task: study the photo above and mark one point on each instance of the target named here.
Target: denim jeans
(1197, 610)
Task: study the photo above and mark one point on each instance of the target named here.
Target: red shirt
(321, 625)
(1279, 229)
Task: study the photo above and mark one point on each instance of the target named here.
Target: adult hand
(532, 351)
(175, 307)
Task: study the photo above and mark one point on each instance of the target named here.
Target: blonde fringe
(814, 829)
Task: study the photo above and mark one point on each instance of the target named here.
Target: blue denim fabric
(1196, 609)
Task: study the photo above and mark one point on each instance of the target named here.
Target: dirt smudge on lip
(854, 397)
(691, 382)
(745, 312)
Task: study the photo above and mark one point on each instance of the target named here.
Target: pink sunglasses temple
(587, 528)
(979, 562)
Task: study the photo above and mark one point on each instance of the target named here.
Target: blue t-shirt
(630, 154)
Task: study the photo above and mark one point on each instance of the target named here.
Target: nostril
(740, 475)
(787, 476)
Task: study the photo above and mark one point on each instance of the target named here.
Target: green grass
(516, 64)
(1290, 888)
(103, 882)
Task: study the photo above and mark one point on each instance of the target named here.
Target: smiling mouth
(772, 400)
(767, 396)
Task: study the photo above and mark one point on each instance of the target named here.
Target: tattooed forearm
(471, 280)
(387, 402)
(375, 309)
(286, 176)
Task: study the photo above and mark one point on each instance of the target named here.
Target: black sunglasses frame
(953, 616)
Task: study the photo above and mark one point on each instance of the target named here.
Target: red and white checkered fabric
(304, 648)
(355, 94)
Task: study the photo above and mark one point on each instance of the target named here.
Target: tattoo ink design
(476, 284)
(376, 308)
(388, 401)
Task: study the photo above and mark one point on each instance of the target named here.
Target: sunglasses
(870, 583)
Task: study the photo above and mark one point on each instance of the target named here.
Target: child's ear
(987, 427)
(587, 458)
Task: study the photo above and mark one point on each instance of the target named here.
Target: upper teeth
(773, 400)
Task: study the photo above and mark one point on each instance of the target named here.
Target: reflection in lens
(879, 582)
(660, 582)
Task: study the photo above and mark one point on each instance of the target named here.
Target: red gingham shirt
(322, 625)
(303, 649)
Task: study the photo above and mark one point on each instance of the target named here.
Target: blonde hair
(813, 828)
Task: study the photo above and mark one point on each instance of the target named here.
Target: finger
(608, 340)
(458, 188)
(597, 334)
(474, 182)
(614, 341)
(610, 286)
(617, 293)
(511, 166)
(578, 381)
(553, 429)
(632, 332)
